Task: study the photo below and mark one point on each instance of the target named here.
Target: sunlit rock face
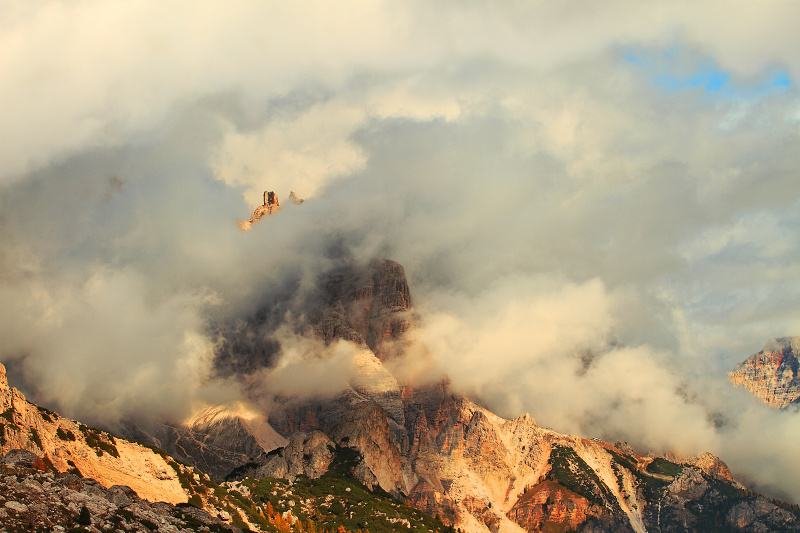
(707, 462)
(550, 503)
(366, 429)
(68, 445)
(771, 375)
(270, 206)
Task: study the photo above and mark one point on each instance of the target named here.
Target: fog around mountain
(596, 206)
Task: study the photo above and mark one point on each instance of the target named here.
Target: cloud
(308, 368)
(580, 243)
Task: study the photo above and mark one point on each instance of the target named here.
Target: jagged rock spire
(271, 201)
(270, 206)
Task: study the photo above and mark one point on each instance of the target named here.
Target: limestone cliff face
(551, 503)
(69, 445)
(369, 306)
(771, 375)
(366, 429)
(309, 455)
(470, 465)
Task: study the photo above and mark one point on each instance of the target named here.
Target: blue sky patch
(676, 70)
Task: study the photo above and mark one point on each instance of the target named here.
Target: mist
(596, 207)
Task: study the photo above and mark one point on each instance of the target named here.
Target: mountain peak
(771, 375)
(270, 206)
(366, 305)
(3, 379)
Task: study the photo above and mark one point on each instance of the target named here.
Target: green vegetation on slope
(100, 441)
(664, 467)
(336, 502)
(572, 472)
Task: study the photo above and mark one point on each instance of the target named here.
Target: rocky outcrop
(270, 206)
(697, 501)
(707, 462)
(713, 466)
(771, 375)
(550, 503)
(308, 455)
(366, 429)
(760, 514)
(690, 484)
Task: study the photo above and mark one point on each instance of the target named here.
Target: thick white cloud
(581, 242)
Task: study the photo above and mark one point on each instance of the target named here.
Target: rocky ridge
(71, 446)
(51, 464)
(771, 375)
(217, 439)
(307, 455)
(33, 498)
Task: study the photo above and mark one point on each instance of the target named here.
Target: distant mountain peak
(771, 375)
(270, 206)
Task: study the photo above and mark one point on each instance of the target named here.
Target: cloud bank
(596, 206)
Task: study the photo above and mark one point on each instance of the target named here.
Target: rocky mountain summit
(270, 206)
(366, 305)
(771, 375)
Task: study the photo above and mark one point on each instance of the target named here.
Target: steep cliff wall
(771, 375)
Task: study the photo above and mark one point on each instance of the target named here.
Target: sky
(597, 205)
